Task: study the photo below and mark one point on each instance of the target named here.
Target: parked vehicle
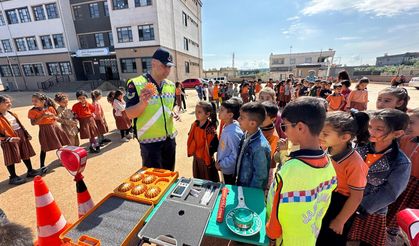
(191, 83)
(414, 82)
(221, 79)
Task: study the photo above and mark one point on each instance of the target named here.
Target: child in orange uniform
(85, 113)
(339, 130)
(51, 135)
(336, 100)
(14, 142)
(203, 142)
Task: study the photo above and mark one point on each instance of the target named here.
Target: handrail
(51, 81)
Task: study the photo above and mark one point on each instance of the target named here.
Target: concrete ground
(104, 171)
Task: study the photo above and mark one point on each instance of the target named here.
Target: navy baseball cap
(164, 57)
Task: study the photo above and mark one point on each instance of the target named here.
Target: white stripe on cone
(49, 230)
(44, 200)
(85, 207)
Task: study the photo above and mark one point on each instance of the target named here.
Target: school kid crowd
(332, 171)
(58, 126)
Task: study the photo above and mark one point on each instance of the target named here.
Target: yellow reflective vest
(304, 198)
(156, 122)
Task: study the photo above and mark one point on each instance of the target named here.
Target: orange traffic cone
(84, 200)
(50, 222)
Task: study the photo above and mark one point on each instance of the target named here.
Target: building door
(108, 69)
(88, 69)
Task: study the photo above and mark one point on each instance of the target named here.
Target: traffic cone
(84, 201)
(50, 222)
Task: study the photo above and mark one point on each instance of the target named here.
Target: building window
(120, 4)
(2, 22)
(94, 10)
(52, 11)
(33, 69)
(20, 44)
(184, 19)
(46, 42)
(32, 45)
(292, 61)
(5, 71)
(53, 68)
(124, 34)
(186, 67)
(12, 17)
(65, 68)
(146, 64)
(185, 44)
(1, 50)
(142, 3)
(7, 47)
(77, 12)
(58, 41)
(83, 42)
(110, 36)
(38, 13)
(24, 15)
(100, 40)
(308, 60)
(146, 32)
(128, 65)
(278, 61)
(16, 70)
(106, 8)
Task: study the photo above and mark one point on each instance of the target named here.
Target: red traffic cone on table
(50, 222)
(84, 200)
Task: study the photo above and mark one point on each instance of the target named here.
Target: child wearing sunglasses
(301, 192)
(388, 175)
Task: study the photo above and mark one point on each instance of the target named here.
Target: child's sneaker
(124, 139)
(130, 135)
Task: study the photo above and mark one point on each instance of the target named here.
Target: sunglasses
(284, 126)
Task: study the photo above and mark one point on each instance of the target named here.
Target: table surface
(255, 200)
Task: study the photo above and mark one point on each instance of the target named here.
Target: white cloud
(403, 27)
(348, 38)
(375, 7)
(301, 31)
(294, 18)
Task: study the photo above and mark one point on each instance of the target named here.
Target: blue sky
(359, 30)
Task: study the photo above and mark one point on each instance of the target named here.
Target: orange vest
(6, 129)
(199, 141)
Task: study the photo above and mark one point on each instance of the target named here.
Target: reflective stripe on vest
(156, 122)
(49, 230)
(303, 201)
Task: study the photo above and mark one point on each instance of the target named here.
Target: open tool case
(113, 221)
(183, 217)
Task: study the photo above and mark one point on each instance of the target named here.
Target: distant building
(396, 60)
(228, 72)
(280, 65)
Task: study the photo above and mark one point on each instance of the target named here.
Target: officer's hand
(146, 94)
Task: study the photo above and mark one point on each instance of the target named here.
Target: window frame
(124, 67)
(102, 41)
(6, 68)
(185, 43)
(2, 21)
(6, 50)
(94, 10)
(116, 7)
(50, 42)
(308, 60)
(106, 8)
(55, 11)
(141, 31)
(140, 3)
(64, 71)
(20, 44)
(77, 15)
(110, 37)
(185, 19)
(146, 64)
(24, 15)
(35, 69)
(119, 32)
(187, 67)
(55, 38)
(49, 70)
(37, 14)
(15, 19)
(32, 38)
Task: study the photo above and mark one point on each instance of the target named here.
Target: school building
(75, 40)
